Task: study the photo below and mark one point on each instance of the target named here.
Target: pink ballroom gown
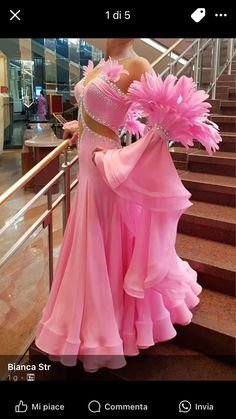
(119, 285)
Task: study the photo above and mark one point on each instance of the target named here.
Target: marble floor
(24, 277)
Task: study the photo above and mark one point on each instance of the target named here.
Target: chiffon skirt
(119, 285)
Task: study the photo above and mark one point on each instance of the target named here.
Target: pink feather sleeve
(132, 121)
(177, 107)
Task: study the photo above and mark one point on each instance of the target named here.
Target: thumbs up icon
(21, 407)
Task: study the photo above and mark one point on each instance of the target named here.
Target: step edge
(207, 264)
(216, 219)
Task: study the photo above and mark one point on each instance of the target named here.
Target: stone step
(198, 160)
(222, 89)
(226, 83)
(224, 92)
(177, 146)
(181, 165)
(212, 329)
(210, 188)
(227, 123)
(213, 261)
(227, 107)
(227, 77)
(180, 155)
(228, 142)
(233, 72)
(232, 93)
(209, 221)
(215, 105)
(221, 163)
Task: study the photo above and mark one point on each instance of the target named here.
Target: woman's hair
(41, 92)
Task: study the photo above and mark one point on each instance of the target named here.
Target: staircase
(207, 231)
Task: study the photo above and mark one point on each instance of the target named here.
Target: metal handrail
(228, 63)
(45, 217)
(185, 51)
(195, 59)
(196, 41)
(32, 172)
(167, 52)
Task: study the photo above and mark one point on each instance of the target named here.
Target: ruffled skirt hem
(146, 334)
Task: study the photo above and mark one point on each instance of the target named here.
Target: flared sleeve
(144, 172)
(151, 199)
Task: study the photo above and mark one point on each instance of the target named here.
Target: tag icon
(198, 14)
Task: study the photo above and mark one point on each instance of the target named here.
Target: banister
(32, 172)
(166, 52)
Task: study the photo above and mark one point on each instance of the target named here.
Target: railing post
(66, 187)
(196, 64)
(230, 52)
(215, 67)
(170, 63)
(50, 238)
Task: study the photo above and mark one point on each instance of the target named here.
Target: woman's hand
(72, 138)
(94, 151)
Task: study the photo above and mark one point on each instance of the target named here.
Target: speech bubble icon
(94, 406)
(184, 406)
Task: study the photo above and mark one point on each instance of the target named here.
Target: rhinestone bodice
(103, 102)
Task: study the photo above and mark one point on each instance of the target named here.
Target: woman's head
(41, 92)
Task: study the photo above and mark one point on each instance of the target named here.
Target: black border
(162, 398)
(88, 20)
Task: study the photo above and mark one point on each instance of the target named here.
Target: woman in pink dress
(42, 105)
(119, 285)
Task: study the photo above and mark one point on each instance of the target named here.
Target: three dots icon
(220, 14)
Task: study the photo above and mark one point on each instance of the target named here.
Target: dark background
(88, 19)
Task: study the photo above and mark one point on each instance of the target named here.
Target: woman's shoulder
(138, 66)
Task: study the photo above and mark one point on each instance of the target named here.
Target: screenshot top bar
(100, 20)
